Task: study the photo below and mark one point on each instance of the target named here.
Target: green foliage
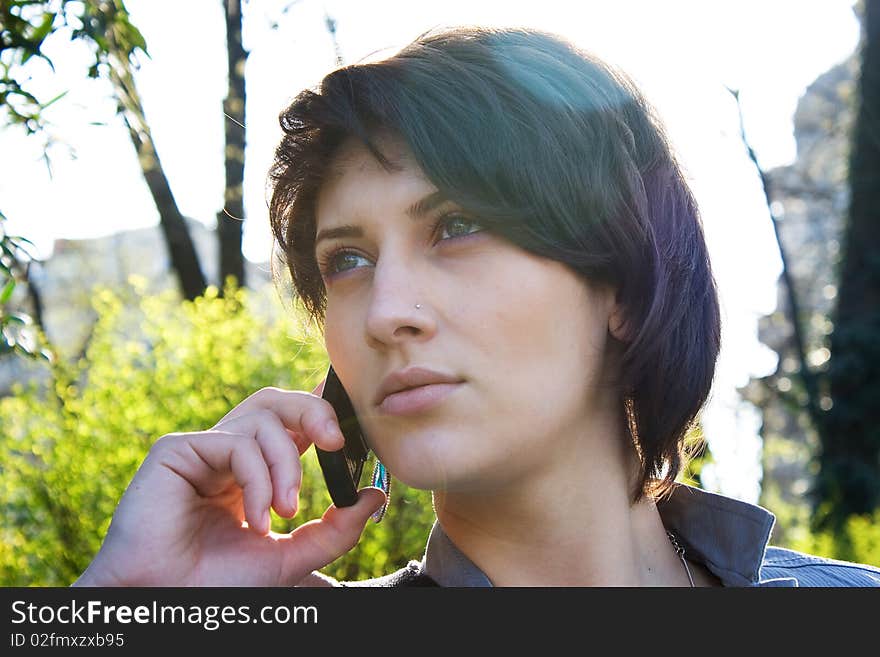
(25, 26)
(17, 332)
(858, 540)
(156, 365)
(697, 456)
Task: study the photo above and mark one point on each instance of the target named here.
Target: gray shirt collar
(728, 536)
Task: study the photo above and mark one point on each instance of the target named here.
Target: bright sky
(681, 52)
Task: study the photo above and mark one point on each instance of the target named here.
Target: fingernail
(332, 428)
(267, 522)
(293, 498)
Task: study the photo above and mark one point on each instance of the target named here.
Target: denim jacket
(730, 537)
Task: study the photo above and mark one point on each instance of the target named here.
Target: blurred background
(136, 297)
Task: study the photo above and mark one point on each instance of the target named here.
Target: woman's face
(510, 346)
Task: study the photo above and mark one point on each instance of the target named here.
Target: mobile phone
(342, 469)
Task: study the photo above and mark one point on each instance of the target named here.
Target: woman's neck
(569, 524)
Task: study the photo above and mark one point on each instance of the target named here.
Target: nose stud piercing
(418, 306)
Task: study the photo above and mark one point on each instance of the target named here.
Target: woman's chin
(419, 476)
(426, 470)
(448, 475)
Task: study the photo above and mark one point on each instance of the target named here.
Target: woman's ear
(617, 324)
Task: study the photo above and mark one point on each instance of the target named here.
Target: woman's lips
(417, 400)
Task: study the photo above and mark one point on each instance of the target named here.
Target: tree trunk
(35, 296)
(849, 477)
(230, 219)
(181, 249)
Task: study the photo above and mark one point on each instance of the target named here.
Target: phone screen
(342, 469)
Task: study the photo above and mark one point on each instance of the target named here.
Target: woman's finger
(299, 411)
(279, 452)
(210, 461)
(299, 439)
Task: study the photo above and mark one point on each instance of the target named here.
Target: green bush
(156, 365)
(858, 540)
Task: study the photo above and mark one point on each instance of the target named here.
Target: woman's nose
(400, 308)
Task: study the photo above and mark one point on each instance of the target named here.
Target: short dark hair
(559, 153)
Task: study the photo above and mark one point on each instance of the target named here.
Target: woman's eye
(340, 261)
(458, 226)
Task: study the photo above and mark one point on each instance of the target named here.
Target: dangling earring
(381, 479)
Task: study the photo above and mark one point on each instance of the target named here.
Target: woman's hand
(181, 522)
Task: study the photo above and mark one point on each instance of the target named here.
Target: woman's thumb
(316, 543)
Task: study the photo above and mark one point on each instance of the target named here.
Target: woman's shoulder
(811, 570)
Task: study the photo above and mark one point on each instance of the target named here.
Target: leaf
(44, 29)
(18, 239)
(57, 98)
(6, 294)
(5, 248)
(26, 95)
(100, 41)
(17, 318)
(135, 38)
(11, 244)
(23, 348)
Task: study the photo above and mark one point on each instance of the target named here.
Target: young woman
(517, 297)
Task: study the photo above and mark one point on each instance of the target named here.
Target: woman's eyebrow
(416, 211)
(425, 205)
